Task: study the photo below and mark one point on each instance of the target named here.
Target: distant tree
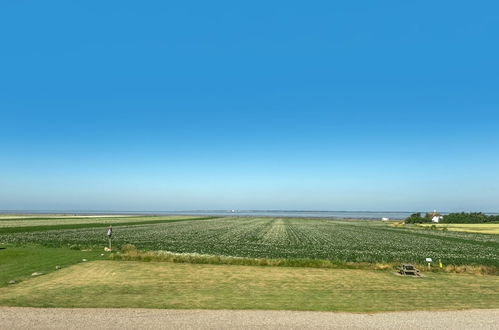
(417, 218)
(474, 217)
(494, 218)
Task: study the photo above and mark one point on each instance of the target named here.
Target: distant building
(436, 217)
(385, 219)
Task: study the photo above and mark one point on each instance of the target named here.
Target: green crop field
(25, 224)
(346, 241)
(216, 263)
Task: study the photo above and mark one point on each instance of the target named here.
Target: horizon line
(220, 210)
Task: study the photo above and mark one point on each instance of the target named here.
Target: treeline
(475, 217)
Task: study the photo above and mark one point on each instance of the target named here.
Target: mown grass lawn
(188, 286)
(18, 263)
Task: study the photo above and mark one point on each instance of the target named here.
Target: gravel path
(13, 318)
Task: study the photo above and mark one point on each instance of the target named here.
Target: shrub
(129, 248)
(417, 218)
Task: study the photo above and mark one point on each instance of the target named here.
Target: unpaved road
(13, 318)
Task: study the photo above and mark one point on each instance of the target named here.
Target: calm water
(368, 215)
(254, 213)
(307, 214)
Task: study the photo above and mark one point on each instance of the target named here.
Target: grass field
(170, 285)
(347, 251)
(342, 241)
(482, 228)
(18, 263)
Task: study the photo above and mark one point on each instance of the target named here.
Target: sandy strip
(14, 318)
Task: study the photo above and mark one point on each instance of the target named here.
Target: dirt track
(13, 318)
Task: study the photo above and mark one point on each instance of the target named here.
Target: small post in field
(109, 234)
(429, 261)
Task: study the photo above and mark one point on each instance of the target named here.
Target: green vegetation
(18, 263)
(418, 218)
(55, 223)
(72, 220)
(289, 238)
(130, 253)
(170, 285)
(469, 218)
(308, 264)
(462, 217)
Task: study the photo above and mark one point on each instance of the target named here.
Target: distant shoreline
(367, 215)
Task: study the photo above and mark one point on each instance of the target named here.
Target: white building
(436, 217)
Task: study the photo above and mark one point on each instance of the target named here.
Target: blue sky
(322, 105)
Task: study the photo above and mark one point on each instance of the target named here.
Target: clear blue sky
(316, 105)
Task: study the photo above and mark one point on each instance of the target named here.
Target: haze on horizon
(384, 106)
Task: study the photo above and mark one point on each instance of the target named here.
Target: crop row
(285, 238)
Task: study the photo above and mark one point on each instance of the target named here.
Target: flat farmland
(290, 238)
(483, 228)
(57, 222)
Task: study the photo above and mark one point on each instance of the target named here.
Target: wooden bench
(408, 269)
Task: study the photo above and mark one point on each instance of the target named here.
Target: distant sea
(367, 215)
(304, 214)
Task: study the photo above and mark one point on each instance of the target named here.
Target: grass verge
(192, 286)
(130, 253)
